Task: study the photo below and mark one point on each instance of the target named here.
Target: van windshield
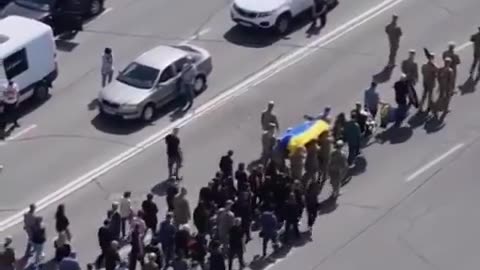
(43, 5)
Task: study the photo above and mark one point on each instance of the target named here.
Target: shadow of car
(61, 15)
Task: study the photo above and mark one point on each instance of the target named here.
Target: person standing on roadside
(338, 168)
(320, 10)
(372, 99)
(394, 33)
(11, 100)
(189, 73)
(28, 225)
(429, 73)
(166, 237)
(115, 221)
(353, 137)
(236, 244)
(125, 210)
(410, 68)
(269, 117)
(105, 238)
(445, 86)
(39, 237)
(181, 208)
(172, 191)
(475, 39)
(150, 211)
(61, 222)
(226, 164)
(107, 67)
(174, 154)
(402, 89)
(450, 53)
(7, 255)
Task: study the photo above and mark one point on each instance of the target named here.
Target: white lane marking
(216, 102)
(463, 46)
(196, 36)
(21, 133)
(434, 162)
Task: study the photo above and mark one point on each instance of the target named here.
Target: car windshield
(139, 76)
(43, 5)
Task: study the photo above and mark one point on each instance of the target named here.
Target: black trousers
(11, 111)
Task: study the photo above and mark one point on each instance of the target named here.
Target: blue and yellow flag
(300, 135)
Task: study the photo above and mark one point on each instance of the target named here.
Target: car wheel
(148, 113)
(41, 92)
(96, 7)
(283, 24)
(200, 84)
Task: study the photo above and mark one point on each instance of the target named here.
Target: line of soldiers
(443, 79)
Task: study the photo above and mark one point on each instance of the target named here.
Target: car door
(299, 6)
(167, 87)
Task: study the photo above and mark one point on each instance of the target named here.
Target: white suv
(270, 14)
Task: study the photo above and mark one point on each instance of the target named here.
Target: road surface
(412, 205)
(64, 138)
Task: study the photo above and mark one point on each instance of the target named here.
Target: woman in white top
(107, 67)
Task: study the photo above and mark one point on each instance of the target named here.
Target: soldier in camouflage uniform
(450, 53)
(338, 168)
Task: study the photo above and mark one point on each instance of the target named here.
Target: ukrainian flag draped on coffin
(300, 135)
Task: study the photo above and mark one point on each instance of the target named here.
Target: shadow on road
(468, 87)
(384, 75)
(395, 135)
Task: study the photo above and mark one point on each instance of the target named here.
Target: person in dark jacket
(7, 255)
(243, 208)
(172, 191)
(216, 259)
(182, 239)
(237, 243)
(152, 247)
(206, 195)
(61, 221)
(268, 230)
(166, 237)
(136, 252)
(112, 257)
(402, 88)
(115, 221)
(201, 217)
(226, 164)
(105, 238)
(292, 212)
(150, 211)
(241, 176)
(39, 237)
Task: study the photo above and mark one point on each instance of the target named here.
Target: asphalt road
(412, 205)
(62, 139)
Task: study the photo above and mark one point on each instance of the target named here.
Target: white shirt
(11, 94)
(125, 208)
(107, 63)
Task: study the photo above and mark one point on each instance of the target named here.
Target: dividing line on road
(196, 36)
(434, 162)
(464, 46)
(218, 101)
(18, 134)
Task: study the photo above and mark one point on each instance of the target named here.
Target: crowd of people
(271, 195)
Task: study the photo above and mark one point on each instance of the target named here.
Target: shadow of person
(395, 135)
(161, 188)
(328, 205)
(434, 125)
(468, 87)
(417, 120)
(384, 75)
(359, 167)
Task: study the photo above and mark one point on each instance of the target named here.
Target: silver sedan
(152, 80)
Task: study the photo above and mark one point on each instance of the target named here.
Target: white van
(27, 56)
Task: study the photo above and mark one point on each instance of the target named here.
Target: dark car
(60, 14)
(4, 3)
